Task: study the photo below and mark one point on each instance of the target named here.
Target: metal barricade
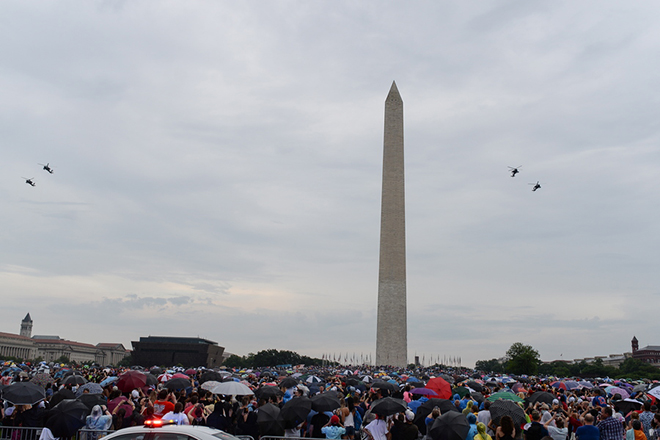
(19, 433)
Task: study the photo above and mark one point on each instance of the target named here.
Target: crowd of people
(435, 404)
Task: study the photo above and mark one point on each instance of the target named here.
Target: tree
(522, 359)
(491, 366)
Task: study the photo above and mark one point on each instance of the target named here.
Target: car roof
(175, 429)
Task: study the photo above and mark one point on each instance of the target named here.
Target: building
(51, 348)
(166, 350)
(649, 354)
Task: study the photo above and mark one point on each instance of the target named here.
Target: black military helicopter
(536, 186)
(515, 170)
(30, 181)
(47, 167)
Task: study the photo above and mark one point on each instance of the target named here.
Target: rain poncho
(481, 429)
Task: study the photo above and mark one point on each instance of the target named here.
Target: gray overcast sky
(218, 169)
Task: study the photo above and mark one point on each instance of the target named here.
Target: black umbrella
(90, 400)
(151, 379)
(267, 392)
(210, 375)
(23, 393)
(426, 408)
(295, 411)
(66, 418)
(388, 406)
(269, 420)
(540, 396)
(156, 371)
(477, 396)
(74, 379)
(60, 396)
(288, 382)
(178, 383)
(450, 426)
(475, 385)
(385, 386)
(327, 401)
(509, 408)
(627, 405)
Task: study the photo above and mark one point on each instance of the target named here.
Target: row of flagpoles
(366, 359)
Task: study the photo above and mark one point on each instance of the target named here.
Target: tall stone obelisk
(392, 335)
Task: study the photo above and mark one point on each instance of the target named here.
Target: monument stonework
(391, 336)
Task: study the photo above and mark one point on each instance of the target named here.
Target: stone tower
(391, 335)
(26, 326)
(635, 344)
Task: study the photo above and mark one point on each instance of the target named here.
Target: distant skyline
(217, 170)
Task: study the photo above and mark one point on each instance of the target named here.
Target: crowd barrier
(20, 433)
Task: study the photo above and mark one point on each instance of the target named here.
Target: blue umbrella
(93, 388)
(107, 381)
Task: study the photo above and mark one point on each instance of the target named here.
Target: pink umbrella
(180, 376)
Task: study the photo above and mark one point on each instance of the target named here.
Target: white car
(170, 432)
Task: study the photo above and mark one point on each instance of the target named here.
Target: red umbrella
(190, 372)
(441, 387)
(180, 376)
(131, 380)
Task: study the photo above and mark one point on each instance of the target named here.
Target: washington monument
(391, 336)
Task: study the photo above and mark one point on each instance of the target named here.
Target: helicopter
(30, 181)
(47, 167)
(515, 170)
(537, 185)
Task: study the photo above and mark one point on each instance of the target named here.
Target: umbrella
(156, 371)
(74, 379)
(505, 396)
(190, 372)
(501, 408)
(385, 386)
(164, 377)
(475, 385)
(266, 392)
(450, 426)
(60, 396)
(449, 379)
(23, 393)
(180, 376)
(42, 379)
(426, 408)
(151, 379)
(296, 411)
(177, 383)
(131, 380)
(288, 382)
(617, 390)
(388, 406)
(440, 386)
(268, 418)
(66, 418)
(108, 380)
(93, 388)
(327, 401)
(586, 384)
(461, 391)
(423, 391)
(627, 405)
(477, 396)
(640, 387)
(540, 396)
(210, 375)
(91, 400)
(227, 388)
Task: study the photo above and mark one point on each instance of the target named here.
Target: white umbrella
(227, 388)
